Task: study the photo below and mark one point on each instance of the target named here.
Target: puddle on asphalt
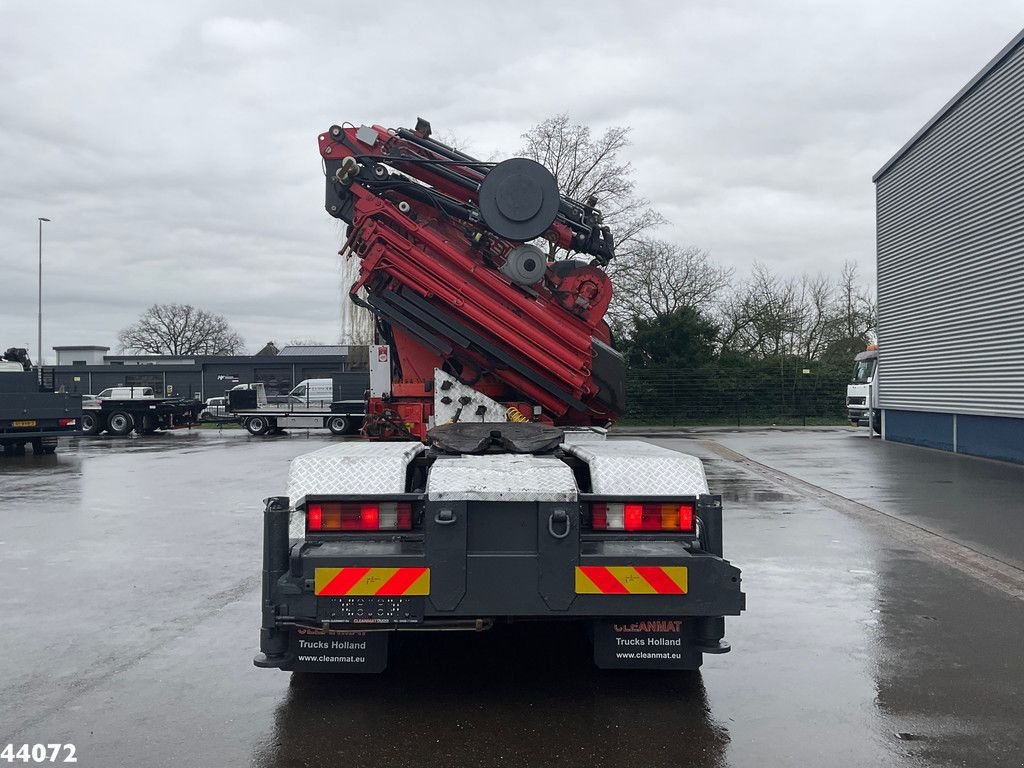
(739, 490)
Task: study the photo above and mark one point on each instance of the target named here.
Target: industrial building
(204, 376)
(81, 355)
(950, 238)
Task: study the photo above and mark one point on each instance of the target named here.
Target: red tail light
(369, 517)
(66, 422)
(677, 516)
(358, 516)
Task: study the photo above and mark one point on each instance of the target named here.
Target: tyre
(44, 446)
(257, 425)
(120, 423)
(92, 423)
(876, 423)
(145, 424)
(339, 425)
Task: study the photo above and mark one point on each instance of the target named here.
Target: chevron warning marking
(369, 582)
(631, 580)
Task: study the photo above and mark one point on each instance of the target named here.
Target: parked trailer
(120, 410)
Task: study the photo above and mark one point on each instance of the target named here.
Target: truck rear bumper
(43, 431)
(414, 582)
(607, 578)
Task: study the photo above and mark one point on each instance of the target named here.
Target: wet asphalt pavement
(130, 570)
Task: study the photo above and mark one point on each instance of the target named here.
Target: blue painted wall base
(992, 437)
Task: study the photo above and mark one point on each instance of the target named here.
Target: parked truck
(312, 404)
(29, 413)
(862, 391)
(490, 494)
(120, 410)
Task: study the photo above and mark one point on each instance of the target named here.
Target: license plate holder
(357, 609)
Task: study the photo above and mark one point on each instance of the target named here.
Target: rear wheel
(119, 423)
(339, 425)
(876, 422)
(44, 446)
(92, 424)
(257, 425)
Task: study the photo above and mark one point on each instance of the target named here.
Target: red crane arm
(451, 274)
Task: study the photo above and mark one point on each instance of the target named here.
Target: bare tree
(762, 315)
(816, 318)
(857, 305)
(451, 139)
(586, 167)
(813, 317)
(657, 278)
(180, 329)
(357, 322)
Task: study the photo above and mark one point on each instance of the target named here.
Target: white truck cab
(862, 391)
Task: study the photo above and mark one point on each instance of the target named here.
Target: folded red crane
(450, 267)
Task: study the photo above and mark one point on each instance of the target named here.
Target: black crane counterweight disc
(519, 199)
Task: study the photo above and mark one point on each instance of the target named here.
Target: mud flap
(644, 644)
(328, 650)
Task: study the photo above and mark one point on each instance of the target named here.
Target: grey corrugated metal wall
(951, 258)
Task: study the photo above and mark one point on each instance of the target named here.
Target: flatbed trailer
(377, 538)
(31, 417)
(259, 417)
(119, 417)
(341, 418)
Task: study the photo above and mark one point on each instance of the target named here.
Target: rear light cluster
(66, 422)
(359, 516)
(642, 517)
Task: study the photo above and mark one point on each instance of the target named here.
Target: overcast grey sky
(174, 144)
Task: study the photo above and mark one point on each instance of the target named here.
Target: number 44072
(39, 753)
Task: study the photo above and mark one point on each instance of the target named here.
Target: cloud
(174, 147)
(248, 36)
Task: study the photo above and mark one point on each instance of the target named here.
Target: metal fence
(718, 397)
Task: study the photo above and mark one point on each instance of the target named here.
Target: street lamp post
(39, 337)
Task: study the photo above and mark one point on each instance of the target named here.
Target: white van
(318, 393)
(312, 392)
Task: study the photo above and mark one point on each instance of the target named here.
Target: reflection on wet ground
(975, 501)
(524, 695)
(132, 615)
